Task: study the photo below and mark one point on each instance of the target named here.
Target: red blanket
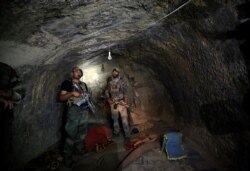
(96, 137)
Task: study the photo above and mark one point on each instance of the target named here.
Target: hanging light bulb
(109, 57)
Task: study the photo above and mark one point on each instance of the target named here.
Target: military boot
(79, 149)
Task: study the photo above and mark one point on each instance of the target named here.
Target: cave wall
(184, 71)
(38, 119)
(206, 76)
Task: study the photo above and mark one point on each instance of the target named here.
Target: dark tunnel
(185, 64)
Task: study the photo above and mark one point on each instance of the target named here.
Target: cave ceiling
(54, 29)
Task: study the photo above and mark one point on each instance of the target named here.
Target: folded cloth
(136, 142)
(172, 143)
(97, 136)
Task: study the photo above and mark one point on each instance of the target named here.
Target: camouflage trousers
(76, 130)
(122, 110)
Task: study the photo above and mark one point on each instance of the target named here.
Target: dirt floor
(148, 158)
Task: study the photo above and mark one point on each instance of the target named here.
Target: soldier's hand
(76, 94)
(7, 104)
(10, 104)
(123, 103)
(110, 101)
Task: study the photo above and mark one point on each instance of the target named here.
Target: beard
(115, 76)
(77, 77)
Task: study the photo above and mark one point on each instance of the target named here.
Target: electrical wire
(143, 29)
(159, 20)
(177, 9)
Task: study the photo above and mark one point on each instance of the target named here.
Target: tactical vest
(82, 88)
(116, 89)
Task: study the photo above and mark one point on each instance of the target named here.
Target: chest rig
(80, 88)
(116, 89)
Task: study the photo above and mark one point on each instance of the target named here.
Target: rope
(150, 25)
(157, 21)
(174, 11)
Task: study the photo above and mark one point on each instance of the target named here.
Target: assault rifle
(85, 99)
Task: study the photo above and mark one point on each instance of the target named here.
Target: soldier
(73, 92)
(11, 93)
(118, 101)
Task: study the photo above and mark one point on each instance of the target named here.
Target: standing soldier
(118, 101)
(76, 94)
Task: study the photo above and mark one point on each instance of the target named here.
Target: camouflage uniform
(76, 125)
(76, 129)
(117, 92)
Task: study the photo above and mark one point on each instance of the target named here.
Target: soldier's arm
(126, 99)
(109, 100)
(65, 95)
(107, 94)
(7, 103)
(125, 94)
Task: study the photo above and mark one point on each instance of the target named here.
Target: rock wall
(184, 70)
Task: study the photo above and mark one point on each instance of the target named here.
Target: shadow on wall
(241, 31)
(224, 117)
(216, 122)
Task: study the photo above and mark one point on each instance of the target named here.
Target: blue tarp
(172, 144)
